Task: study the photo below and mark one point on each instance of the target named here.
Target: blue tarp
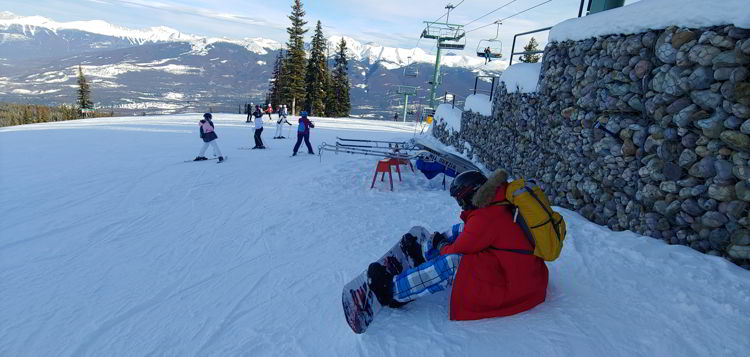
(431, 169)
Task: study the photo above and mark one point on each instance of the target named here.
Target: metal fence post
(476, 80)
(492, 89)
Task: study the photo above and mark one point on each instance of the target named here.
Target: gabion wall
(645, 132)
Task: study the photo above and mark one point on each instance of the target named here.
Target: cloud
(193, 11)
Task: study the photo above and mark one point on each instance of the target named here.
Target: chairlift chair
(411, 69)
(494, 44)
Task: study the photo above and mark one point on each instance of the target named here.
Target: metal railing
(492, 87)
(513, 47)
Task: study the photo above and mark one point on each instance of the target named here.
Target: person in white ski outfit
(280, 123)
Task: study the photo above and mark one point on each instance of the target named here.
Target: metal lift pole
(435, 76)
(406, 105)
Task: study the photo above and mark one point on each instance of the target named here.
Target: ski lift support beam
(442, 32)
(513, 47)
(406, 91)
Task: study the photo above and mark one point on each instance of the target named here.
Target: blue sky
(395, 23)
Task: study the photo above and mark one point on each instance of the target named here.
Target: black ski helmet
(464, 186)
(207, 116)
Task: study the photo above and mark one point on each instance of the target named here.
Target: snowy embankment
(647, 15)
(111, 245)
(478, 103)
(451, 116)
(522, 77)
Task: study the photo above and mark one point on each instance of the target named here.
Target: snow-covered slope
(111, 245)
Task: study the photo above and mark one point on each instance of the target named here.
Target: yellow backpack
(544, 228)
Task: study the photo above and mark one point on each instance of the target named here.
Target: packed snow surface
(647, 15)
(522, 77)
(111, 245)
(478, 103)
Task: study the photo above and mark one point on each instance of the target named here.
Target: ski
(210, 159)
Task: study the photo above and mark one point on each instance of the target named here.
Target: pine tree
(293, 90)
(339, 91)
(531, 46)
(316, 74)
(276, 84)
(84, 92)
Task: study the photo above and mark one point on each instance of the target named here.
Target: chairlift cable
(508, 17)
(489, 13)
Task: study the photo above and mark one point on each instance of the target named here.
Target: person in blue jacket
(303, 132)
(208, 134)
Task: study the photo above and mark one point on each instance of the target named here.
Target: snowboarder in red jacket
(496, 277)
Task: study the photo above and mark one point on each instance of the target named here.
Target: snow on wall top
(654, 15)
(449, 115)
(522, 77)
(479, 103)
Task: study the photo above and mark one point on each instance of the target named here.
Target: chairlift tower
(448, 36)
(406, 91)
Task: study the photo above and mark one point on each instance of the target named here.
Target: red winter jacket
(491, 282)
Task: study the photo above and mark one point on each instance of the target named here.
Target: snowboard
(359, 301)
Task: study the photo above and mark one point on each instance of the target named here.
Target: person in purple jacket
(303, 132)
(208, 134)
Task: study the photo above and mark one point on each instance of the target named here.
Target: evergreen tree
(531, 46)
(315, 80)
(293, 90)
(84, 92)
(328, 91)
(276, 84)
(339, 91)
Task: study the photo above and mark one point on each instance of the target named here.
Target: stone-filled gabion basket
(647, 132)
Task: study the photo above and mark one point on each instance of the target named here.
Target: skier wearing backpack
(280, 123)
(269, 111)
(303, 132)
(207, 133)
(499, 275)
(258, 114)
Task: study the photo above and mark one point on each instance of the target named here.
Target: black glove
(439, 241)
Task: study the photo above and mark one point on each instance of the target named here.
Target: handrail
(492, 88)
(513, 47)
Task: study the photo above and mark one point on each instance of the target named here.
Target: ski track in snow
(110, 244)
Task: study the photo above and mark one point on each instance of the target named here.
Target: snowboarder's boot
(221, 158)
(294, 154)
(381, 283)
(200, 158)
(412, 249)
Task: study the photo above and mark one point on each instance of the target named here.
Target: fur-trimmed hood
(486, 194)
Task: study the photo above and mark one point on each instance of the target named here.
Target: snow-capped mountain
(160, 69)
(392, 57)
(29, 26)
